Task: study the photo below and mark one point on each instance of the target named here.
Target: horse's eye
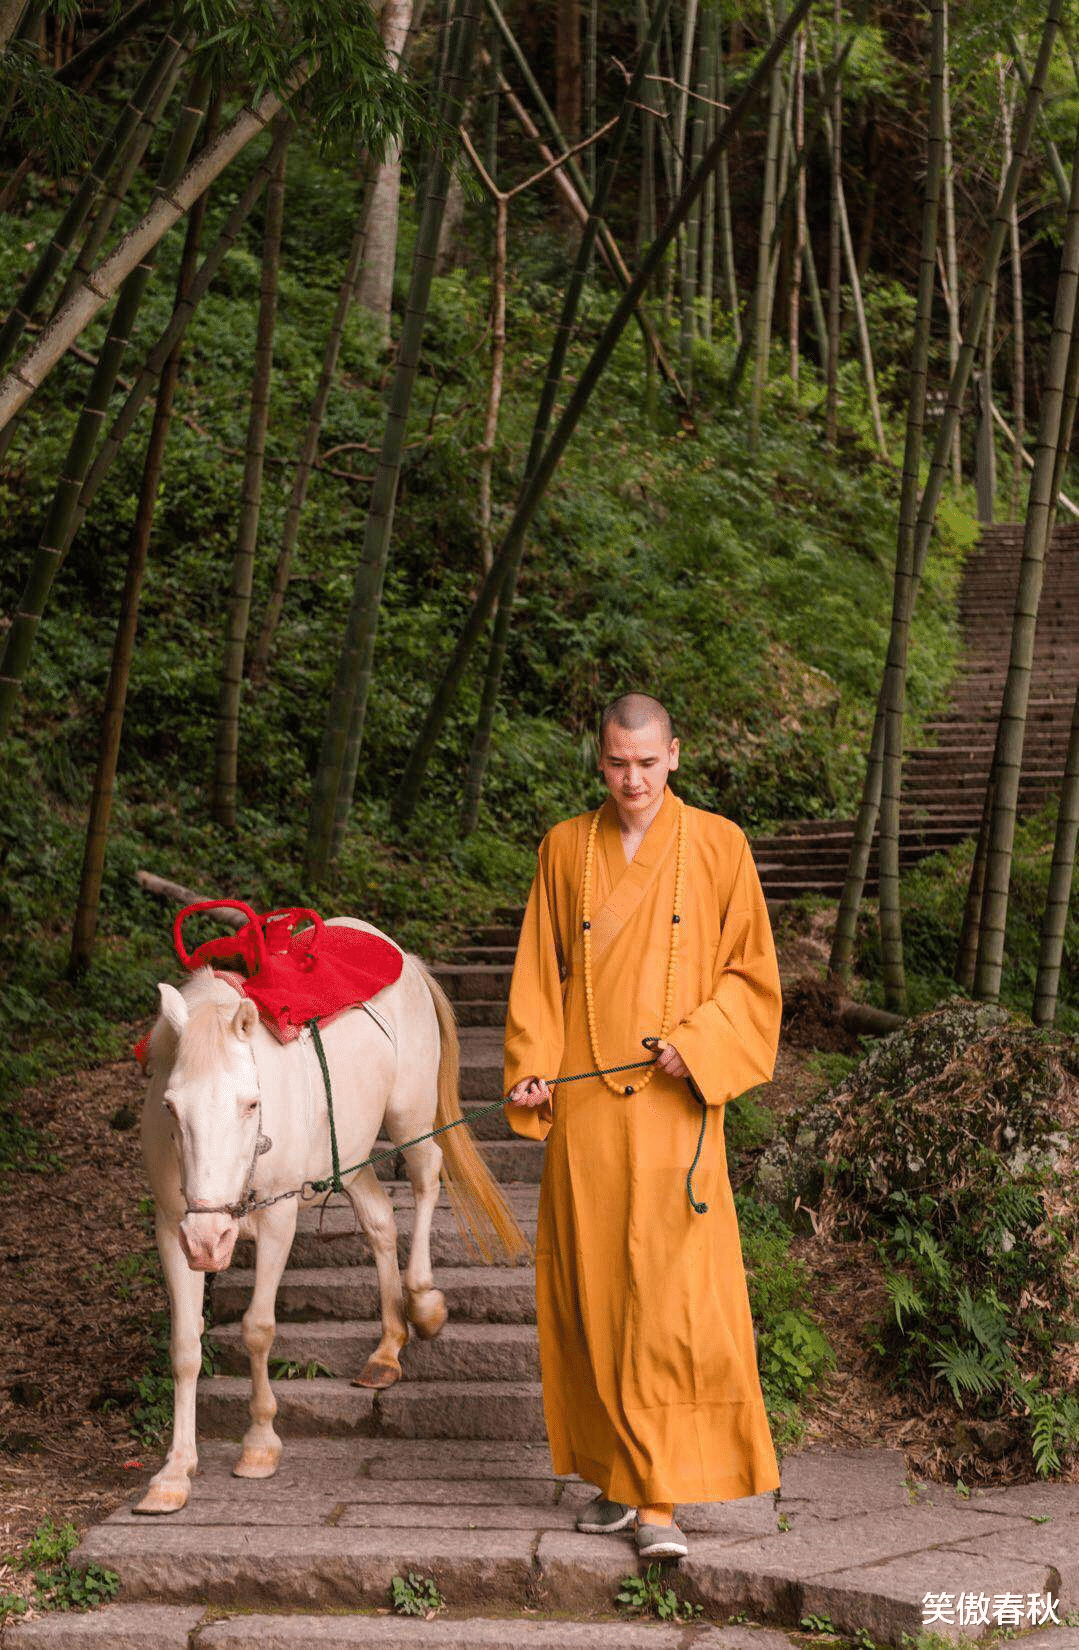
(169, 1104)
(251, 1106)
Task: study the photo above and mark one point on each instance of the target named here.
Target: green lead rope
(335, 1183)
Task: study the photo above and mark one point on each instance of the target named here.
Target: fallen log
(878, 1022)
(176, 894)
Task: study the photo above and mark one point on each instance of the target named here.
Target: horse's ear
(245, 1019)
(173, 1007)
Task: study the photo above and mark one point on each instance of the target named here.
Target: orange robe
(650, 1383)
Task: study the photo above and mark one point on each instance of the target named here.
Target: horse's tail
(481, 1210)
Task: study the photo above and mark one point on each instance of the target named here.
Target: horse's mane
(205, 1045)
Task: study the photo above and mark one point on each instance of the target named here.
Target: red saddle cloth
(315, 974)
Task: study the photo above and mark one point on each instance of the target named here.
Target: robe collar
(628, 883)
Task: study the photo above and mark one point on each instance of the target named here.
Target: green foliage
(952, 1154)
(793, 1353)
(50, 1544)
(66, 1588)
(649, 1595)
(59, 1585)
(42, 114)
(284, 1369)
(933, 894)
(416, 1595)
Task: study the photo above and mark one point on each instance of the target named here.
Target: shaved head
(634, 711)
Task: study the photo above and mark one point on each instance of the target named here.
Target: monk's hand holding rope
(669, 1060)
(530, 1091)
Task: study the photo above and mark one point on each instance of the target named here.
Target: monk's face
(635, 766)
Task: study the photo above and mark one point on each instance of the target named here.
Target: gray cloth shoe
(603, 1517)
(661, 1541)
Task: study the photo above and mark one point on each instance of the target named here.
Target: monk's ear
(674, 754)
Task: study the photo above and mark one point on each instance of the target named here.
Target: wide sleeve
(534, 1026)
(730, 1041)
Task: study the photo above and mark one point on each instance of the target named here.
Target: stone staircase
(944, 782)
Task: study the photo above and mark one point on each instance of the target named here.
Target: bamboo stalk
(37, 283)
(688, 329)
(481, 742)
(408, 791)
(177, 326)
(21, 381)
(343, 734)
(835, 235)
(767, 239)
(301, 481)
(895, 670)
(62, 517)
(230, 682)
(1061, 874)
(1011, 727)
(723, 203)
(843, 938)
(97, 829)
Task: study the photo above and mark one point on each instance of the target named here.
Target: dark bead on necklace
(586, 925)
(628, 1088)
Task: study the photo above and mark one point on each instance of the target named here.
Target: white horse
(233, 1116)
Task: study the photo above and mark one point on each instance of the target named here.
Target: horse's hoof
(378, 1373)
(257, 1463)
(163, 1498)
(426, 1312)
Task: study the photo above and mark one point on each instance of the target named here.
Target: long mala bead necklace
(672, 950)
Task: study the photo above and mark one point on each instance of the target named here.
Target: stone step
(491, 1012)
(327, 1408)
(478, 1294)
(462, 1352)
(172, 1627)
(473, 982)
(502, 933)
(346, 1246)
(500, 955)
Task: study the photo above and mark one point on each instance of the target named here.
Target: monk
(646, 919)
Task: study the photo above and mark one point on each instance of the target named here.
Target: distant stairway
(944, 784)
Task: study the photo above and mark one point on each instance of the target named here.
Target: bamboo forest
(387, 388)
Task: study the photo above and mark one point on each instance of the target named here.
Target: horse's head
(212, 1096)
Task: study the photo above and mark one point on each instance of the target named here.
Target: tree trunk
(800, 230)
(951, 258)
(591, 119)
(1007, 112)
(408, 791)
(831, 403)
(301, 481)
(230, 686)
(339, 757)
(155, 360)
(61, 519)
(1011, 727)
(481, 741)
(895, 670)
(568, 67)
(118, 184)
(97, 830)
(843, 939)
(1061, 873)
(723, 202)
(711, 42)
(113, 148)
(19, 384)
(569, 180)
(10, 14)
(374, 290)
(693, 223)
(494, 394)
(967, 950)
(764, 288)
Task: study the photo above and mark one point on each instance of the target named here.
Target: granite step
(462, 1352)
(473, 982)
(343, 1245)
(426, 1410)
(172, 1627)
(476, 1294)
